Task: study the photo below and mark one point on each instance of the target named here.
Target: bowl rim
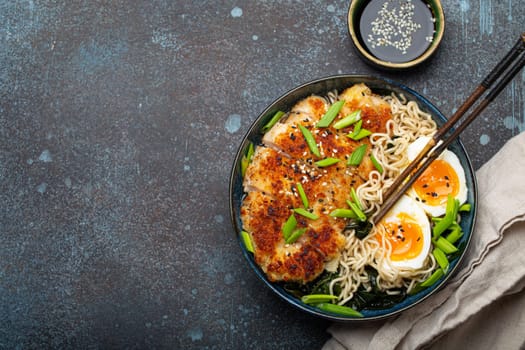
(369, 58)
(275, 287)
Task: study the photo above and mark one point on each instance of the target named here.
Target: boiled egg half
(445, 176)
(407, 229)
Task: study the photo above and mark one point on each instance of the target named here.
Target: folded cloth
(482, 306)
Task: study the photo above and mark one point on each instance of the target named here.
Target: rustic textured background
(118, 126)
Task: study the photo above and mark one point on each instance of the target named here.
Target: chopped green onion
(455, 234)
(416, 289)
(247, 240)
(433, 278)
(343, 213)
(454, 226)
(376, 163)
(465, 207)
(360, 215)
(361, 134)
(441, 259)
(456, 209)
(310, 140)
(302, 194)
(444, 245)
(289, 226)
(357, 127)
(327, 162)
(357, 155)
(250, 151)
(272, 121)
(247, 158)
(306, 213)
(295, 235)
(317, 298)
(356, 200)
(338, 309)
(348, 120)
(244, 165)
(330, 115)
(450, 216)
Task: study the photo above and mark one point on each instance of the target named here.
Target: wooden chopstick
(512, 63)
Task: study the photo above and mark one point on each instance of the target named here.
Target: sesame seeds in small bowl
(396, 34)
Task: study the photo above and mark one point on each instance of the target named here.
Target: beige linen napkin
(483, 306)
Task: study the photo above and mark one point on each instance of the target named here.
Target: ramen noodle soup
(312, 188)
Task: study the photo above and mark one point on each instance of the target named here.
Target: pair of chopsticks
(494, 83)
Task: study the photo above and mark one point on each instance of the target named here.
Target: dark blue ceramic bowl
(321, 87)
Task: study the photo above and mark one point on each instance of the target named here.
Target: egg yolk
(436, 183)
(405, 236)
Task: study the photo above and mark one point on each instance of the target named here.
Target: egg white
(409, 207)
(448, 156)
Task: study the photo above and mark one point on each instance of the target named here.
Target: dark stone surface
(118, 126)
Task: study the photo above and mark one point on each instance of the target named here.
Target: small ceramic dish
(396, 34)
(321, 87)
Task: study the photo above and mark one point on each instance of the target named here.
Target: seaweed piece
(318, 286)
(375, 299)
(362, 228)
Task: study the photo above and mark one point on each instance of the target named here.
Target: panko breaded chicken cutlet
(293, 183)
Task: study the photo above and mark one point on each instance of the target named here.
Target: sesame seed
(394, 27)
